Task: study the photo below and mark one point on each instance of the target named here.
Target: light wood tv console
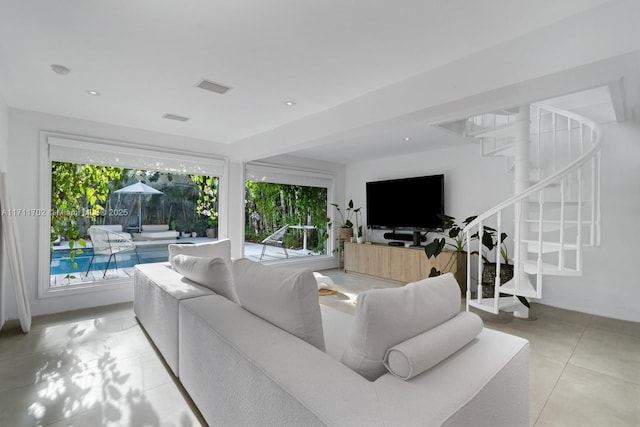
(401, 264)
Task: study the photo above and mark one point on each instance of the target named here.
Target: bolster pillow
(424, 351)
(390, 316)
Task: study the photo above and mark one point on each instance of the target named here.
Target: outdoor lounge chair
(277, 238)
(106, 241)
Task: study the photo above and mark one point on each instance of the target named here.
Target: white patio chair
(106, 241)
(277, 238)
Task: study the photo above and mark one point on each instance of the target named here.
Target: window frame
(289, 175)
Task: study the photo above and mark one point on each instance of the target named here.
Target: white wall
(4, 142)
(609, 286)
(23, 162)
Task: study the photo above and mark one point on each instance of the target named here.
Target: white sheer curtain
(13, 253)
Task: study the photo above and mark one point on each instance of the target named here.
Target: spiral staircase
(554, 156)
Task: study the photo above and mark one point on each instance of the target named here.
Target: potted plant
(345, 225)
(456, 244)
(359, 235)
(490, 241)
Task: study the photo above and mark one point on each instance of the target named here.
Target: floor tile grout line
(564, 367)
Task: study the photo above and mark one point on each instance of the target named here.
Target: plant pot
(212, 233)
(185, 234)
(194, 234)
(361, 239)
(489, 278)
(345, 233)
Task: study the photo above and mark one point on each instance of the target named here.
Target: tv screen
(406, 204)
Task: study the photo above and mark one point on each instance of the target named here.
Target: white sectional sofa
(267, 354)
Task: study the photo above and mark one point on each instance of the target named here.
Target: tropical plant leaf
(468, 220)
(434, 248)
(487, 240)
(434, 272)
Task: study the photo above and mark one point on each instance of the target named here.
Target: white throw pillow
(217, 249)
(212, 273)
(324, 282)
(424, 351)
(286, 297)
(387, 317)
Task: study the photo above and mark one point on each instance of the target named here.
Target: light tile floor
(91, 367)
(96, 367)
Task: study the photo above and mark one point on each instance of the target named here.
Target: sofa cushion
(158, 235)
(424, 351)
(386, 317)
(155, 227)
(286, 297)
(217, 249)
(212, 273)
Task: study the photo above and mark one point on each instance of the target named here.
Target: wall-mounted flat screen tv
(406, 204)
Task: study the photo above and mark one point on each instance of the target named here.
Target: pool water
(60, 263)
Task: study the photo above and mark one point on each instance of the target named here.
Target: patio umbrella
(139, 189)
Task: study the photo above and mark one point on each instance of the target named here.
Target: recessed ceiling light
(407, 139)
(60, 69)
(93, 92)
(289, 103)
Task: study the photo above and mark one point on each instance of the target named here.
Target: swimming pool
(60, 263)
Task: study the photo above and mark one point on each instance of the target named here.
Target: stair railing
(570, 180)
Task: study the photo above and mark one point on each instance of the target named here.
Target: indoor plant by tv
(345, 224)
(490, 241)
(359, 234)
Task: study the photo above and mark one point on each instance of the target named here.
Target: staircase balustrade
(552, 214)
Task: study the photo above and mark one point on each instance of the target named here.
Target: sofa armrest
(486, 383)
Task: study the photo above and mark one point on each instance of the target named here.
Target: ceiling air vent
(175, 117)
(213, 87)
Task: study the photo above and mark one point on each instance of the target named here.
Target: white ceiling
(145, 57)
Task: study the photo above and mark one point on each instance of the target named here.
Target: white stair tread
(533, 245)
(534, 205)
(552, 225)
(526, 288)
(549, 225)
(503, 131)
(487, 304)
(531, 267)
(554, 185)
(556, 221)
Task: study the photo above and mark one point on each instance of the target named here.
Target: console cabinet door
(406, 264)
(372, 260)
(378, 261)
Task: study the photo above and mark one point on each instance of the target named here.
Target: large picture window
(112, 207)
(285, 213)
(136, 213)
